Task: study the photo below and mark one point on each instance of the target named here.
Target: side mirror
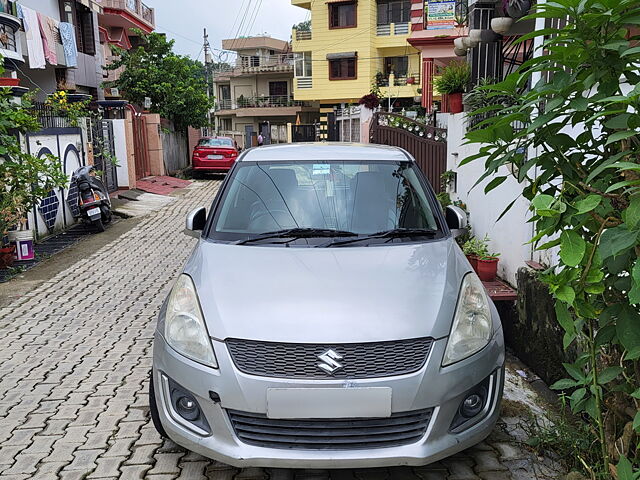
(196, 220)
(456, 220)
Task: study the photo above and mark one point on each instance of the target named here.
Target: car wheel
(153, 408)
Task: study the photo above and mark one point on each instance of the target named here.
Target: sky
(184, 21)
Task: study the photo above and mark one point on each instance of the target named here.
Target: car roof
(325, 151)
(213, 138)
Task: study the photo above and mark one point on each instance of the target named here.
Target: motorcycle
(92, 205)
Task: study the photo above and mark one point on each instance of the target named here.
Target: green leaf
(628, 328)
(587, 204)
(566, 294)
(624, 469)
(615, 241)
(608, 374)
(494, 183)
(572, 248)
(543, 202)
(616, 137)
(595, 288)
(564, 317)
(564, 384)
(619, 121)
(636, 394)
(575, 371)
(590, 408)
(630, 51)
(634, 293)
(632, 214)
(636, 422)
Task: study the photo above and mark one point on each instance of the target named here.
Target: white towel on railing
(35, 47)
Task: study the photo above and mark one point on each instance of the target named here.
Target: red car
(214, 154)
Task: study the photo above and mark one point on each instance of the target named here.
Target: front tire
(153, 409)
(98, 225)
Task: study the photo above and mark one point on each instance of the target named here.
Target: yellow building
(351, 45)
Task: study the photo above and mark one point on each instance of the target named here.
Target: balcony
(10, 46)
(128, 14)
(267, 105)
(302, 35)
(253, 64)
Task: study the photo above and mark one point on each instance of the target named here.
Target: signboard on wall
(439, 14)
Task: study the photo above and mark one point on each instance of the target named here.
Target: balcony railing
(401, 80)
(136, 7)
(304, 82)
(265, 101)
(397, 29)
(303, 35)
(270, 63)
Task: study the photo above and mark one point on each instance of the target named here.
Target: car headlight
(184, 328)
(472, 329)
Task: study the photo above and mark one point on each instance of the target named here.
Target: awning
(338, 56)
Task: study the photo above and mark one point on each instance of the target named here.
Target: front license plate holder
(369, 402)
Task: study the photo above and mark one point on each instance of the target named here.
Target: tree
(174, 83)
(584, 189)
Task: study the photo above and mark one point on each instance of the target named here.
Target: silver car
(327, 318)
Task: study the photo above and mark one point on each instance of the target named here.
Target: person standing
(260, 140)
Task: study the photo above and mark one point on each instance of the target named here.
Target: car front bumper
(440, 388)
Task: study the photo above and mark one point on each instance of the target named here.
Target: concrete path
(74, 375)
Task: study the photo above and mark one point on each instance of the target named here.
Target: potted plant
(516, 8)
(473, 248)
(487, 266)
(453, 82)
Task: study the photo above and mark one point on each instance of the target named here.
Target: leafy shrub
(455, 78)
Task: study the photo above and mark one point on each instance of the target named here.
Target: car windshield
(215, 142)
(350, 197)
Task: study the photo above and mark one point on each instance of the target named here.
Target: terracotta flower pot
(473, 260)
(455, 102)
(6, 256)
(487, 269)
(9, 82)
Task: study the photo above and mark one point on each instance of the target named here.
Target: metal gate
(140, 146)
(303, 133)
(427, 144)
(104, 152)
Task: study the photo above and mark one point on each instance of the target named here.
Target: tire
(153, 409)
(107, 216)
(99, 226)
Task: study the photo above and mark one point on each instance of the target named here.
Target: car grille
(326, 434)
(300, 360)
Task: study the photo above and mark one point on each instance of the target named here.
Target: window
(394, 11)
(361, 196)
(82, 19)
(398, 65)
(343, 69)
(303, 64)
(278, 89)
(342, 15)
(215, 142)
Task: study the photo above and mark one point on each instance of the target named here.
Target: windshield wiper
(394, 233)
(298, 233)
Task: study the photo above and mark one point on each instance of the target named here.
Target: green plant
(379, 79)
(24, 179)
(454, 78)
(584, 189)
(486, 101)
(447, 178)
(476, 246)
(62, 107)
(303, 26)
(444, 198)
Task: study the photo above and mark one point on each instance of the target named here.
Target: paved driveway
(74, 375)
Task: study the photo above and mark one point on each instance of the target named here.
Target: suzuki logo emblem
(330, 362)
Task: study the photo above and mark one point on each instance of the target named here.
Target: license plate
(329, 402)
(215, 157)
(93, 211)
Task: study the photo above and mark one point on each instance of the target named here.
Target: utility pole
(207, 64)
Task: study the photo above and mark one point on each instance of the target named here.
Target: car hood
(328, 295)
